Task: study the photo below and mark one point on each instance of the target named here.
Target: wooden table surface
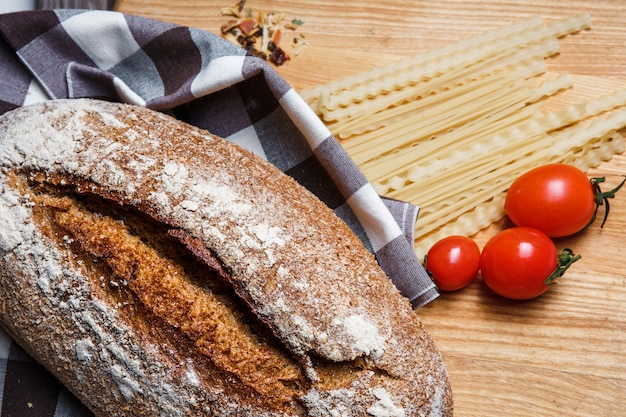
(563, 354)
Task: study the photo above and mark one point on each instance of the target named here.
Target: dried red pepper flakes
(261, 33)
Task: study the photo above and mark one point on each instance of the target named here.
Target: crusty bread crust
(156, 269)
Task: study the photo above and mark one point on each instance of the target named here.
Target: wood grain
(563, 354)
(352, 36)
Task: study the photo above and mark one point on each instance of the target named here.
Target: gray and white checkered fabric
(197, 77)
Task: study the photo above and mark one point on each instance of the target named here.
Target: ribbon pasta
(450, 129)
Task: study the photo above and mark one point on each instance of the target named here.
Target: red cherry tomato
(453, 262)
(521, 263)
(558, 199)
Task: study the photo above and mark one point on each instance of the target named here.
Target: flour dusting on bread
(165, 271)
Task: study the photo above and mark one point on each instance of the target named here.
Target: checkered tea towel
(204, 80)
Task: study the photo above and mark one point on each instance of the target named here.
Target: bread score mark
(219, 331)
(133, 246)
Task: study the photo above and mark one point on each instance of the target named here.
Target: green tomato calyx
(602, 197)
(564, 260)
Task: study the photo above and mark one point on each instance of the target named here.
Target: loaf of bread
(158, 270)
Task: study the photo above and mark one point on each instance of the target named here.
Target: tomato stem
(430, 274)
(565, 259)
(602, 197)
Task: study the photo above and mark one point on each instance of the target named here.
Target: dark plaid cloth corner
(199, 78)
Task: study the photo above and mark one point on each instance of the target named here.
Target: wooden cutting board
(563, 354)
